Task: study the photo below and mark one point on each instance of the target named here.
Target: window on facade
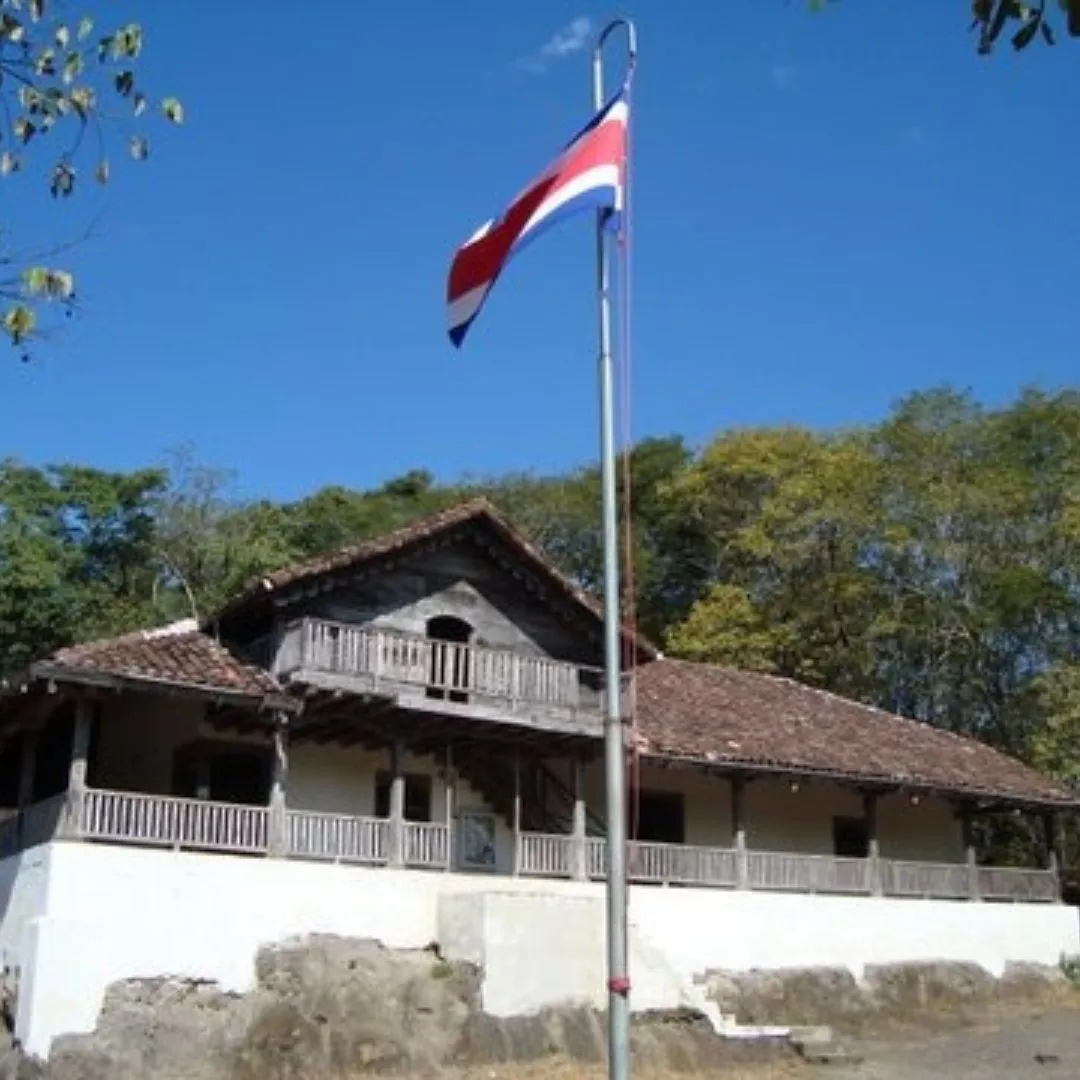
(417, 796)
(661, 817)
(449, 673)
(851, 838)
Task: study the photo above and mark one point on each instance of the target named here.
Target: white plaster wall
(341, 780)
(24, 882)
(780, 819)
(140, 734)
(113, 913)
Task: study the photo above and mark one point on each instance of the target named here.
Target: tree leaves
(53, 85)
(172, 110)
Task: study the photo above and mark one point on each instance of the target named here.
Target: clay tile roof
(479, 510)
(710, 714)
(178, 655)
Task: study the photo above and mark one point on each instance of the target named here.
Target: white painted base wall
(81, 916)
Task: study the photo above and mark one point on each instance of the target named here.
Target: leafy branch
(991, 17)
(60, 83)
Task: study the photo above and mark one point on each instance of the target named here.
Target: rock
(921, 994)
(1034, 984)
(329, 1007)
(795, 996)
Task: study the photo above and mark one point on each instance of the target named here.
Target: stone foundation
(331, 1007)
(888, 994)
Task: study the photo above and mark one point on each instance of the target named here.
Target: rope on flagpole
(626, 453)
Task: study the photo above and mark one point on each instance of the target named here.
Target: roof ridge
(479, 507)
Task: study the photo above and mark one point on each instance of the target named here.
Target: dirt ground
(1042, 1046)
(1025, 1046)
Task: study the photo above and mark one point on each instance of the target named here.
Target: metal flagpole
(614, 741)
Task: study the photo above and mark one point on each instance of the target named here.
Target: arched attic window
(449, 670)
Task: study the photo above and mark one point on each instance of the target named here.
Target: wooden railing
(1010, 883)
(449, 667)
(940, 881)
(545, 855)
(680, 864)
(338, 837)
(425, 844)
(165, 821)
(783, 872)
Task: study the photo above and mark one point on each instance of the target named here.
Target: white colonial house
(402, 741)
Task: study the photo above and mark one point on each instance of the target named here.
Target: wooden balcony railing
(545, 855)
(783, 872)
(338, 837)
(425, 844)
(461, 672)
(165, 821)
(680, 864)
(1017, 884)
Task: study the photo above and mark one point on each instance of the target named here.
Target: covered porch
(448, 794)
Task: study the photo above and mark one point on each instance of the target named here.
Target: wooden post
(449, 786)
(80, 747)
(278, 839)
(738, 832)
(28, 766)
(580, 845)
(873, 845)
(1053, 851)
(397, 804)
(970, 856)
(517, 812)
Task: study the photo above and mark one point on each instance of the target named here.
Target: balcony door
(450, 668)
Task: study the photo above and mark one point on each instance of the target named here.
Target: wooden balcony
(470, 681)
(188, 824)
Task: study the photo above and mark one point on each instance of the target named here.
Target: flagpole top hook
(598, 55)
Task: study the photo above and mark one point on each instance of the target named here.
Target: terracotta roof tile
(705, 713)
(184, 656)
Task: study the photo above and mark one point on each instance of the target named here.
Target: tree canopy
(66, 89)
(929, 563)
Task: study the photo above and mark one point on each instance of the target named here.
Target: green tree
(208, 543)
(929, 564)
(59, 78)
(76, 556)
(787, 512)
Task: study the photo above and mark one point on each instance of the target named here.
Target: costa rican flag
(588, 174)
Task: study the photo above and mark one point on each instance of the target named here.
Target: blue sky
(829, 212)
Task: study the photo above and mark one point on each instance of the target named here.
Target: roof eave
(913, 786)
(50, 671)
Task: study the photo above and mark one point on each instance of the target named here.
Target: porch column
(449, 790)
(80, 747)
(873, 846)
(738, 832)
(517, 812)
(278, 832)
(580, 862)
(970, 856)
(28, 766)
(1053, 850)
(397, 804)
